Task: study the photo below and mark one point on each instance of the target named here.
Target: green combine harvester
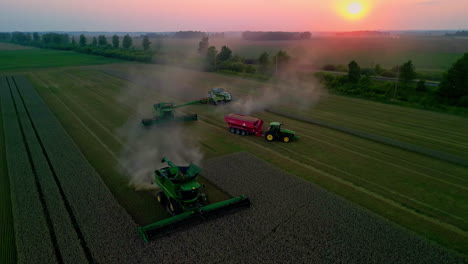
(184, 199)
(167, 114)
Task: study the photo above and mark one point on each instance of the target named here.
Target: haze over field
(211, 15)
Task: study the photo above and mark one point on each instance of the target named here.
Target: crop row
(388, 141)
(68, 242)
(33, 239)
(106, 228)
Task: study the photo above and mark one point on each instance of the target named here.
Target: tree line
(120, 49)
(225, 61)
(452, 90)
(275, 35)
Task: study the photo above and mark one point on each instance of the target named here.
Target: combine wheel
(161, 197)
(269, 137)
(173, 207)
(286, 139)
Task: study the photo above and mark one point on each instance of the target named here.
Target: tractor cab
(275, 132)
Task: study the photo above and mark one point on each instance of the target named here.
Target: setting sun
(354, 8)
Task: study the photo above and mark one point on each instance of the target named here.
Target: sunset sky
(238, 15)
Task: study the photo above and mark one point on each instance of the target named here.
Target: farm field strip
(333, 170)
(7, 232)
(324, 138)
(105, 225)
(69, 239)
(33, 230)
(385, 140)
(449, 146)
(441, 137)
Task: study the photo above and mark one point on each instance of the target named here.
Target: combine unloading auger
(184, 199)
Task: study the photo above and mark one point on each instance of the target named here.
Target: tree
(94, 42)
(115, 41)
(421, 86)
(407, 72)
(146, 43)
(224, 55)
(36, 37)
(264, 62)
(281, 59)
(211, 55)
(102, 40)
(82, 40)
(127, 42)
(354, 72)
(73, 42)
(158, 45)
(454, 85)
(203, 46)
(378, 69)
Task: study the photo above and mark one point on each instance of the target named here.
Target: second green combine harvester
(184, 199)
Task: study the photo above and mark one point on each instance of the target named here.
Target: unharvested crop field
(29, 58)
(424, 194)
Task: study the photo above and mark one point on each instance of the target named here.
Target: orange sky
(219, 15)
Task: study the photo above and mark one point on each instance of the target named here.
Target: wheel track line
(69, 210)
(362, 189)
(378, 152)
(326, 173)
(45, 209)
(80, 121)
(386, 162)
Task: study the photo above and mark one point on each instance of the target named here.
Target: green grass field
(424, 194)
(22, 59)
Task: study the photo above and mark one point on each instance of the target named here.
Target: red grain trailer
(244, 125)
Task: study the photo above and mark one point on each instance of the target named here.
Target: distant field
(8, 46)
(424, 194)
(426, 53)
(22, 59)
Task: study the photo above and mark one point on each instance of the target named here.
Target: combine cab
(219, 96)
(184, 199)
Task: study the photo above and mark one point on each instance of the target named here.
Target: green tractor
(184, 199)
(167, 114)
(277, 133)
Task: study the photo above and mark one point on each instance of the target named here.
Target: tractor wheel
(173, 207)
(161, 197)
(232, 130)
(286, 139)
(269, 136)
(238, 131)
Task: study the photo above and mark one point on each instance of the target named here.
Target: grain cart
(184, 199)
(247, 125)
(167, 114)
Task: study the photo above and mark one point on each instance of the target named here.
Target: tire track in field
(66, 203)
(45, 209)
(80, 121)
(381, 160)
(378, 152)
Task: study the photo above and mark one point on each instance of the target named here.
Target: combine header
(167, 114)
(184, 199)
